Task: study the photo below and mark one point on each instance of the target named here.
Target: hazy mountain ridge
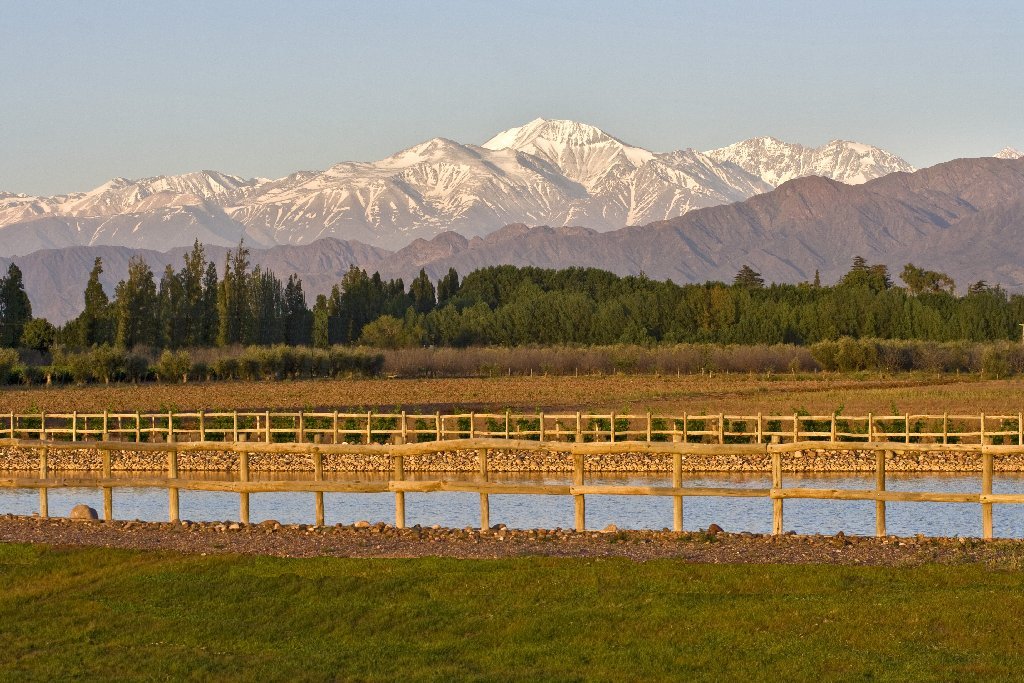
(546, 172)
(962, 217)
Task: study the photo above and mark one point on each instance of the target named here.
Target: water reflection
(455, 509)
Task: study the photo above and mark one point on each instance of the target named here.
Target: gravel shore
(27, 460)
(382, 540)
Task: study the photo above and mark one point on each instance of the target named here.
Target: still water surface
(453, 509)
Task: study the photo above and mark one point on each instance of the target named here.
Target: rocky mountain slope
(962, 217)
(548, 172)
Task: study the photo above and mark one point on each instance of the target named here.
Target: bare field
(729, 393)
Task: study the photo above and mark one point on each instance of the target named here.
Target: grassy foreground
(97, 613)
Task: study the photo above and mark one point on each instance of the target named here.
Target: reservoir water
(453, 509)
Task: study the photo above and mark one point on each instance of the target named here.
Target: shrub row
(995, 359)
(112, 364)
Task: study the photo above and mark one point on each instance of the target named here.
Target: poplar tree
(94, 324)
(15, 308)
(447, 287)
(421, 290)
(321, 322)
(135, 304)
(234, 321)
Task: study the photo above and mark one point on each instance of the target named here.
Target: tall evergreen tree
(298, 319)
(233, 312)
(447, 287)
(749, 278)
(94, 325)
(15, 308)
(208, 312)
(421, 290)
(173, 315)
(136, 305)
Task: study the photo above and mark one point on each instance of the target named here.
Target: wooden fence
(373, 427)
(579, 436)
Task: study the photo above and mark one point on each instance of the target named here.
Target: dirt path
(270, 538)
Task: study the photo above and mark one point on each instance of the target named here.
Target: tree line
(200, 306)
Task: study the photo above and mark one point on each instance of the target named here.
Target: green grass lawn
(108, 614)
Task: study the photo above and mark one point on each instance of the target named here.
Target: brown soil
(380, 540)
(732, 393)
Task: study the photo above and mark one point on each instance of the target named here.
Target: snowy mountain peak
(584, 153)
(1009, 153)
(776, 161)
(554, 172)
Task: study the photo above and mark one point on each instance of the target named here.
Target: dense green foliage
(15, 309)
(511, 306)
(110, 614)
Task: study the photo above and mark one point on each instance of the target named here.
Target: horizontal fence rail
(578, 449)
(379, 427)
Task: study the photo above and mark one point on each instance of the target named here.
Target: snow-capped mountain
(775, 161)
(551, 172)
(1008, 153)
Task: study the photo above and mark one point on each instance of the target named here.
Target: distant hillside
(963, 217)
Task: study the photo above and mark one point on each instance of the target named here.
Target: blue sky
(94, 90)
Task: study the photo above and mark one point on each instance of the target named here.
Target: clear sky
(94, 90)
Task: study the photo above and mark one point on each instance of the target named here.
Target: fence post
(472, 424)
(74, 425)
(202, 425)
(760, 428)
(243, 476)
(485, 506)
(906, 428)
(880, 457)
(44, 499)
(578, 499)
(686, 429)
(301, 432)
(369, 427)
(266, 418)
(871, 427)
(579, 427)
(335, 427)
(508, 424)
(106, 430)
(796, 427)
(108, 492)
(986, 488)
(611, 428)
(234, 426)
(540, 429)
(399, 465)
(138, 427)
(776, 485)
(172, 473)
(945, 428)
(438, 431)
(832, 435)
(677, 482)
(648, 426)
(721, 428)
(318, 475)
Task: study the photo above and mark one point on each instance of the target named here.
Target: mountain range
(550, 172)
(963, 217)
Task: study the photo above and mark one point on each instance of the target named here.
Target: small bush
(173, 366)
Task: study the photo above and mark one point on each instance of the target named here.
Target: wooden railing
(374, 427)
(579, 489)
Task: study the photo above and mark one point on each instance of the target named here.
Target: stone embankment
(24, 459)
